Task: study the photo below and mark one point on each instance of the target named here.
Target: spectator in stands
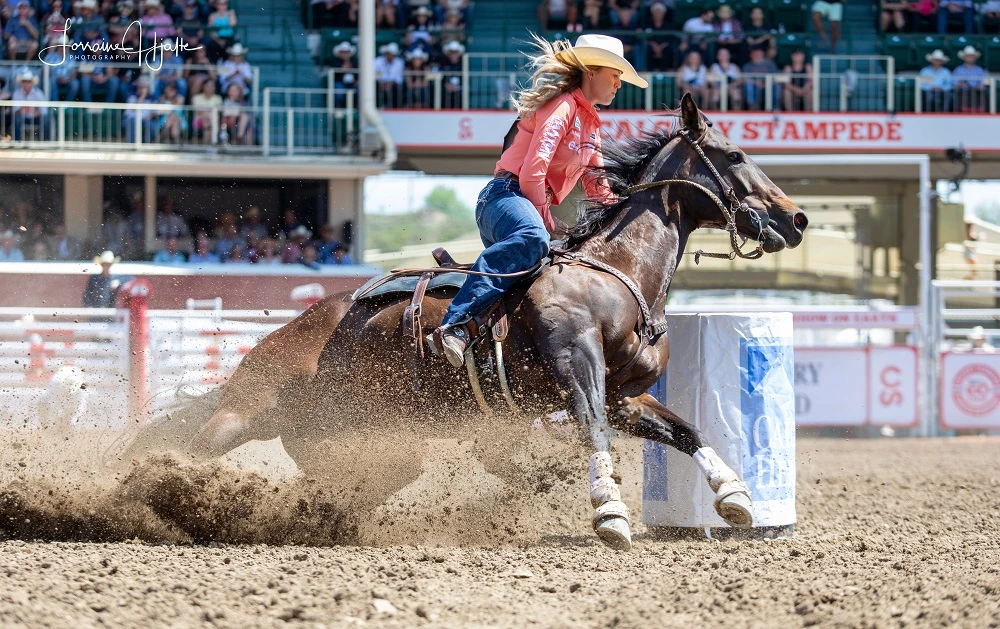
(207, 106)
(62, 245)
(170, 126)
(459, 7)
(592, 16)
(36, 233)
(386, 12)
(221, 30)
(326, 244)
(558, 15)
(268, 253)
(39, 251)
(169, 224)
(833, 10)
(935, 83)
(340, 255)
(237, 125)
(798, 91)
(691, 78)
(253, 228)
(31, 119)
(731, 33)
(451, 80)
(21, 33)
(169, 254)
(968, 83)
(894, 15)
(297, 239)
(229, 239)
(760, 33)
(418, 34)
(171, 72)
(389, 75)
(157, 24)
(660, 55)
(102, 289)
(623, 14)
(64, 83)
(143, 96)
(724, 66)
(310, 257)
(977, 342)
(754, 83)
(198, 71)
(696, 29)
(88, 24)
(289, 223)
(238, 255)
(119, 21)
(235, 69)
(991, 15)
(924, 13)
(418, 82)
(345, 72)
(203, 252)
(950, 11)
(9, 251)
(100, 76)
(190, 26)
(339, 13)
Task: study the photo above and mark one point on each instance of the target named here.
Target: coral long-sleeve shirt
(552, 149)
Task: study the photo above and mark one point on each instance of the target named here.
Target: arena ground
(891, 533)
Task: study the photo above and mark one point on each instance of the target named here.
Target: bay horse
(577, 337)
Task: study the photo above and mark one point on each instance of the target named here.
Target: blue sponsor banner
(654, 471)
(766, 401)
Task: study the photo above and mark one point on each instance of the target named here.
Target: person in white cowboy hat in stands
(418, 80)
(451, 71)
(345, 72)
(978, 342)
(235, 69)
(935, 82)
(558, 135)
(33, 119)
(102, 288)
(968, 82)
(389, 75)
(9, 251)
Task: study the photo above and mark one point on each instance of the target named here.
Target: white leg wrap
(602, 487)
(614, 508)
(714, 468)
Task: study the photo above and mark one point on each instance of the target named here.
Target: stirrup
(451, 341)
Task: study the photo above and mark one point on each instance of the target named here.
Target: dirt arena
(891, 533)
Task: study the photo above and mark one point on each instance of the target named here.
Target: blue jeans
(515, 240)
(86, 87)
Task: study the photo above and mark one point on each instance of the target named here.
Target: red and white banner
(856, 386)
(778, 131)
(970, 390)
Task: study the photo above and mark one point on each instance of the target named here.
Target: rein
(735, 206)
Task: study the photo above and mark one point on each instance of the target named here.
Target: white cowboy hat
(392, 48)
(969, 51)
(937, 55)
(237, 49)
(301, 230)
(454, 46)
(83, 4)
(603, 51)
(107, 257)
(416, 54)
(423, 11)
(27, 75)
(978, 333)
(153, 3)
(345, 45)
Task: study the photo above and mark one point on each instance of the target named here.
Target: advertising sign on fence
(970, 390)
(856, 386)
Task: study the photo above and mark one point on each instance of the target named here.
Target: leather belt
(505, 174)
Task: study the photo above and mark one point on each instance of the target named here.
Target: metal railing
(271, 129)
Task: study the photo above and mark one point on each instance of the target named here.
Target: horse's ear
(691, 116)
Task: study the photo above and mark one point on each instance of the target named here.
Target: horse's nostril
(800, 221)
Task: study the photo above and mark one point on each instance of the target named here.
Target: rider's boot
(450, 340)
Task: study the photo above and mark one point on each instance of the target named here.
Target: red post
(135, 296)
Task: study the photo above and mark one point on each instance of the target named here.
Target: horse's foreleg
(227, 430)
(642, 416)
(579, 368)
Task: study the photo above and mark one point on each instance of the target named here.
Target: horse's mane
(625, 161)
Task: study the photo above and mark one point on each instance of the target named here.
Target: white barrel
(731, 375)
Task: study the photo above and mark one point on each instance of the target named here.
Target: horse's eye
(735, 157)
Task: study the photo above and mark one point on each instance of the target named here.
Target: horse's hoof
(614, 531)
(736, 509)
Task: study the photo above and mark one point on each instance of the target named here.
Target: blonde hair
(551, 76)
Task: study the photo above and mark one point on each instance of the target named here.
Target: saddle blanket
(405, 285)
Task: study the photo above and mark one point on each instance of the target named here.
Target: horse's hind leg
(642, 416)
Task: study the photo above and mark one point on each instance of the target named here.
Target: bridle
(730, 212)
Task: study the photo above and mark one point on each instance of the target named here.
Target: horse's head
(767, 215)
